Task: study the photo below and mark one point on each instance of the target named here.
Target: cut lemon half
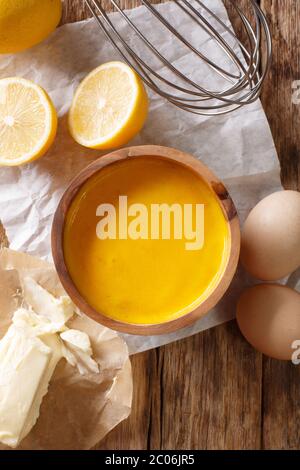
(109, 108)
(28, 121)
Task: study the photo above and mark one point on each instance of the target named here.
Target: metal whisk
(240, 70)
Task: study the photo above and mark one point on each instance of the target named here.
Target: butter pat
(58, 311)
(77, 339)
(78, 351)
(32, 324)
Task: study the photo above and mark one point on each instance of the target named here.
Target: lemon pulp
(28, 121)
(144, 281)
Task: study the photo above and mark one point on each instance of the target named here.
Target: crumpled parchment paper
(79, 410)
(238, 147)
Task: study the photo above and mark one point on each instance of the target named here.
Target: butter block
(29, 352)
(54, 344)
(23, 364)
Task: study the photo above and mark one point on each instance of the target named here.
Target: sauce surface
(144, 281)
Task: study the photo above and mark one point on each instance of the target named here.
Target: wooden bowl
(225, 202)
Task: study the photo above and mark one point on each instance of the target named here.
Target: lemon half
(24, 23)
(109, 108)
(28, 121)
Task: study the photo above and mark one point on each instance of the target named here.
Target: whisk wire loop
(247, 61)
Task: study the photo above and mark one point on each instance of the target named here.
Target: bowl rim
(224, 200)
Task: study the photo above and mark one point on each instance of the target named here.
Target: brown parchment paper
(78, 411)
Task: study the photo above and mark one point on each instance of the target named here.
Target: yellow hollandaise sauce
(145, 240)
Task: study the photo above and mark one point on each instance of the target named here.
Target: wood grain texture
(283, 115)
(213, 391)
(200, 393)
(281, 400)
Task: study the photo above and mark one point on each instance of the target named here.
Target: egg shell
(268, 316)
(271, 237)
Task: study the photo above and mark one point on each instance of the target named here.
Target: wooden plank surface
(213, 391)
(281, 400)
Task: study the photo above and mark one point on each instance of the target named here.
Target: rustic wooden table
(213, 391)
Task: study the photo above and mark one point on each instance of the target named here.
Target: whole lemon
(24, 23)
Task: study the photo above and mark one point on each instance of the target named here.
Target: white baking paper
(238, 147)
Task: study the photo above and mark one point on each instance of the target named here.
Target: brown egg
(271, 237)
(269, 317)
